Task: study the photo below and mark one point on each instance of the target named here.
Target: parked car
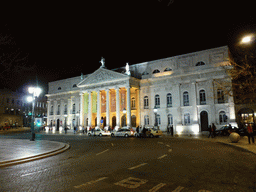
(150, 132)
(98, 132)
(123, 132)
(225, 130)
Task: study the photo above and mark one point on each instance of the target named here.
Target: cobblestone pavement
(119, 164)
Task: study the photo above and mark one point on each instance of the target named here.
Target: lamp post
(35, 92)
(155, 112)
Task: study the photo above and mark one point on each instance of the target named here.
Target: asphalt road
(132, 164)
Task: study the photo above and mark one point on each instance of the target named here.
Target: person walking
(168, 129)
(250, 133)
(172, 130)
(213, 130)
(210, 131)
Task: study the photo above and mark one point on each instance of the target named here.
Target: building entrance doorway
(113, 121)
(204, 121)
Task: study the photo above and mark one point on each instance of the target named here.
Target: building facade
(186, 91)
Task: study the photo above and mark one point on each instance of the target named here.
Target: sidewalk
(15, 151)
(242, 143)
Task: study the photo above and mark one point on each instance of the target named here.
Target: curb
(36, 157)
(220, 142)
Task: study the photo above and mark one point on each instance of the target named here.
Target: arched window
(74, 109)
(157, 101)
(146, 102)
(200, 63)
(133, 102)
(223, 117)
(146, 120)
(202, 97)
(156, 71)
(186, 118)
(185, 99)
(169, 100)
(170, 119)
(168, 69)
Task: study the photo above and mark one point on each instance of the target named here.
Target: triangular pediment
(102, 75)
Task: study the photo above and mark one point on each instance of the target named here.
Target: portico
(105, 100)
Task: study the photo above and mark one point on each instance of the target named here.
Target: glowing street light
(35, 91)
(247, 39)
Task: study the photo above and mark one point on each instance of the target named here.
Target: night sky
(69, 38)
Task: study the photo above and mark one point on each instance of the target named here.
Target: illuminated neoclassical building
(186, 91)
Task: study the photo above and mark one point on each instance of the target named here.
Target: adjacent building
(186, 91)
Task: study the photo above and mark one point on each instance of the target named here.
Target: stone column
(128, 99)
(107, 108)
(98, 109)
(117, 109)
(193, 103)
(81, 109)
(89, 109)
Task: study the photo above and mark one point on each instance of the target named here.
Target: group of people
(212, 130)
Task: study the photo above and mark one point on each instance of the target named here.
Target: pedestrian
(74, 129)
(144, 132)
(168, 129)
(83, 129)
(137, 129)
(250, 133)
(172, 130)
(213, 130)
(65, 130)
(210, 131)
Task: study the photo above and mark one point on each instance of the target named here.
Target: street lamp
(246, 39)
(35, 91)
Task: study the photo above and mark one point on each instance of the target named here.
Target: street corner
(12, 150)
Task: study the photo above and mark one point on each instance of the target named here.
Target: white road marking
(112, 144)
(102, 152)
(90, 182)
(137, 166)
(170, 150)
(131, 182)
(162, 156)
(160, 142)
(168, 146)
(157, 187)
(178, 189)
